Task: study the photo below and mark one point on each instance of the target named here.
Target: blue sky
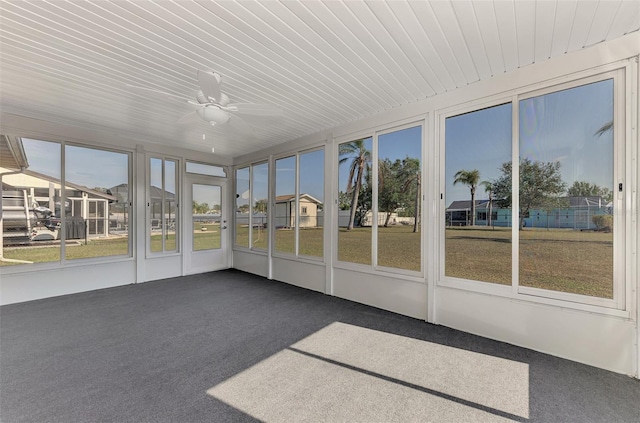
(311, 174)
(480, 140)
(209, 194)
(561, 126)
(558, 126)
(84, 166)
(155, 169)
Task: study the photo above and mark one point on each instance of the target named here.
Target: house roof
(154, 192)
(12, 155)
(29, 178)
(460, 205)
(287, 198)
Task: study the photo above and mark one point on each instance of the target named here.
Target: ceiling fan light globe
(213, 114)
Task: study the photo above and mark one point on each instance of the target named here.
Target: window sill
(366, 268)
(571, 302)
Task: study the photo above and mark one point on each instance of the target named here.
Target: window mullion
(374, 202)
(63, 199)
(515, 194)
(162, 210)
(296, 235)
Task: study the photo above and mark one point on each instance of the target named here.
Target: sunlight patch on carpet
(349, 373)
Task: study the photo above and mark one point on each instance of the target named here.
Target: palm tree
(604, 128)
(470, 178)
(387, 201)
(488, 188)
(411, 176)
(360, 156)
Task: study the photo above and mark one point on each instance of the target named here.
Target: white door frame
(205, 260)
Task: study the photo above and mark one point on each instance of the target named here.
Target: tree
(357, 152)
(470, 178)
(488, 188)
(540, 186)
(200, 208)
(411, 176)
(586, 189)
(389, 192)
(344, 201)
(260, 206)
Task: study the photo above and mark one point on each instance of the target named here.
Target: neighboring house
(577, 214)
(285, 212)
(31, 190)
(459, 212)
(119, 210)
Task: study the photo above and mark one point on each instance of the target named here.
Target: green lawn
(398, 246)
(74, 250)
(560, 260)
(311, 241)
(203, 240)
(206, 236)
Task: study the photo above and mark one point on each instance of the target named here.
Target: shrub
(603, 222)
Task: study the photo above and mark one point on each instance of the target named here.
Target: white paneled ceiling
(324, 63)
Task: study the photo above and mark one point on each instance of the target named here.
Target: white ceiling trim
(324, 63)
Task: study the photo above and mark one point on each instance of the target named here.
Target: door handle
(224, 227)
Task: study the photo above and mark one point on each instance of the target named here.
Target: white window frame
(621, 304)
(195, 172)
(178, 181)
(417, 276)
(250, 247)
(296, 254)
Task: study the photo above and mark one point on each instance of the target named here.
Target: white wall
(591, 335)
(38, 283)
(30, 282)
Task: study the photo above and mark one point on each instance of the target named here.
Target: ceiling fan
(215, 107)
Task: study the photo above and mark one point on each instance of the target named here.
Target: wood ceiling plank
(431, 27)
(376, 73)
(605, 12)
(416, 66)
(626, 19)
(343, 55)
(584, 16)
(457, 45)
(376, 58)
(379, 39)
(525, 14)
(486, 17)
(222, 45)
(505, 18)
(470, 27)
(565, 14)
(545, 24)
(295, 51)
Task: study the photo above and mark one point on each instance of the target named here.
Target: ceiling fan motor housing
(213, 114)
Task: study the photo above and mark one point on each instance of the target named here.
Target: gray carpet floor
(230, 346)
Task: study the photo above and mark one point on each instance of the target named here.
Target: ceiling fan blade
(209, 83)
(254, 109)
(240, 125)
(188, 118)
(147, 90)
